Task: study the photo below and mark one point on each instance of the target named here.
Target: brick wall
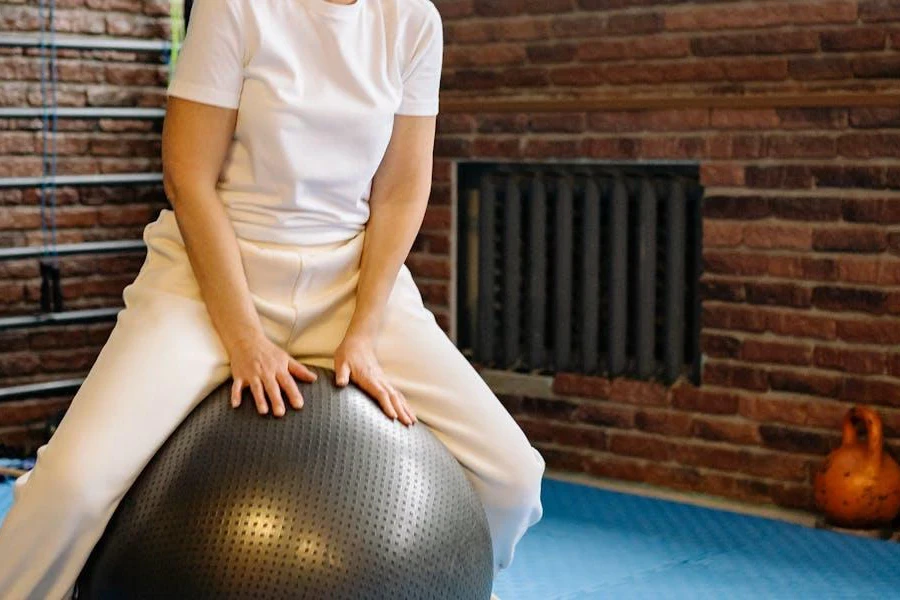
(801, 289)
(86, 79)
(802, 225)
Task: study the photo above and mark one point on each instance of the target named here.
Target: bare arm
(189, 179)
(399, 197)
(400, 191)
(195, 140)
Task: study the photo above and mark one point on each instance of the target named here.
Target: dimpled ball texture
(335, 501)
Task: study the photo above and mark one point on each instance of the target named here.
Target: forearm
(214, 255)
(394, 221)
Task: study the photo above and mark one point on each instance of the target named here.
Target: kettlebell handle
(874, 435)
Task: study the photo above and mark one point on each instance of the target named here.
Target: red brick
(723, 146)
(580, 436)
(675, 148)
(548, 6)
(719, 316)
(573, 384)
(579, 26)
(819, 67)
(778, 294)
(725, 291)
(857, 239)
(735, 207)
(795, 440)
(879, 10)
(882, 392)
(545, 148)
(735, 263)
(776, 352)
(605, 414)
(556, 123)
(735, 376)
(649, 120)
(761, 464)
(818, 269)
(557, 409)
(848, 177)
(724, 429)
(869, 331)
(808, 383)
(785, 237)
(497, 147)
(663, 422)
(551, 53)
(641, 446)
(22, 412)
(869, 145)
(865, 362)
(784, 42)
(640, 393)
(893, 365)
(800, 146)
(722, 174)
(874, 117)
(844, 40)
(715, 18)
(484, 54)
(870, 272)
(445, 146)
(455, 123)
(423, 266)
(883, 211)
(779, 177)
(633, 48)
(454, 9)
(809, 412)
(720, 346)
(610, 148)
(731, 118)
(693, 399)
(813, 118)
(498, 8)
(851, 299)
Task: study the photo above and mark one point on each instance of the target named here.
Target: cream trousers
(164, 356)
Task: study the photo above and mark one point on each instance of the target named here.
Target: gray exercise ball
(334, 501)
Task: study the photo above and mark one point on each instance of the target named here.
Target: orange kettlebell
(859, 483)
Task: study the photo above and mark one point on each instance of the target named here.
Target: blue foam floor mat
(594, 544)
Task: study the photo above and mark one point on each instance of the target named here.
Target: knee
(521, 476)
(84, 495)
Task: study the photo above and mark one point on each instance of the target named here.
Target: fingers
(342, 372)
(259, 396)
(300, 371)
(274, 392)
(400, 402)
(392, 402)
(236, 389)
(295, 398)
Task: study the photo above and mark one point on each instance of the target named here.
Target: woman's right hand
(267, 369)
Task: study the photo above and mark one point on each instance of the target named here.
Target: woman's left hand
(355, 360)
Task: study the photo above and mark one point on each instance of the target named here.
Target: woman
(297, 159)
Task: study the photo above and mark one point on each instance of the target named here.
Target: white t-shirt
(316, 85)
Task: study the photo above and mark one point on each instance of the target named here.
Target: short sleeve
(210, 66)
(422, 76)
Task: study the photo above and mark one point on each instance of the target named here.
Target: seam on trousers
(292, 332)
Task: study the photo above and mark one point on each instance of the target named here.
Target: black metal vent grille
(589, 269)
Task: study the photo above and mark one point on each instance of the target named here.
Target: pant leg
(444, 390)
(162, 357)
(452, 399)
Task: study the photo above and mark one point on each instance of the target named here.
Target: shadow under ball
(334, 501)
